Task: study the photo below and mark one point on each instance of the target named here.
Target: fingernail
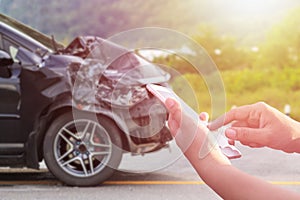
(253, 145)
(170, 103)
(203, 116)
(230, 133)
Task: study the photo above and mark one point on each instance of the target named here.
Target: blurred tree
(175, 65)
(222, 49)
(282, 46)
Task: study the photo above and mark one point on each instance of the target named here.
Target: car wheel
(82, 151)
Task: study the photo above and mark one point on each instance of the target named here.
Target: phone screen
(163, 93)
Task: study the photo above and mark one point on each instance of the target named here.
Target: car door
(9, 107)
(10, 142)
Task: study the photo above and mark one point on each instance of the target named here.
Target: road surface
(162, 175)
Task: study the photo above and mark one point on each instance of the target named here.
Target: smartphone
(163, 93)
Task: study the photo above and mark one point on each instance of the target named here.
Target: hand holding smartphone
(163, 93)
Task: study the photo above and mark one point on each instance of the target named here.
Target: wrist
(294, 145)
(205, 152)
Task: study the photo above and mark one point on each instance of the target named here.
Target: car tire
(84, 151)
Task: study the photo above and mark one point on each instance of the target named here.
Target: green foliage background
(269, 72)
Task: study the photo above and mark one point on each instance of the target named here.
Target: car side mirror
(5, 59)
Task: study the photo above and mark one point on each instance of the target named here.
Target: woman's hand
(260, 125)
(191, 135)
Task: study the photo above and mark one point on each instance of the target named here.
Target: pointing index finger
(236, 114)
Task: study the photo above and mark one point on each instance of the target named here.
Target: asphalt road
(162, 175)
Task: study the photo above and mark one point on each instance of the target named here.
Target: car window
(10, 47)
(13, 52)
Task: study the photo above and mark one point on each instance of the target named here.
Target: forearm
(229, 182)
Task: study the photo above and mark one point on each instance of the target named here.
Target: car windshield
(36, 35)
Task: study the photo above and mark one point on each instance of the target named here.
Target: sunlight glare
(256, 7)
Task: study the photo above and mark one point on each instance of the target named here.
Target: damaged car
(79, 107)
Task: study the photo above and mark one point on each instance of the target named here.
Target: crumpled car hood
(110, 73)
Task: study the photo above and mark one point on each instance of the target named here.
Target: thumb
(172, 105)
(246, 135)
(204, 116)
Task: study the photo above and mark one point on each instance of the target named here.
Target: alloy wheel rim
(82, 148)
